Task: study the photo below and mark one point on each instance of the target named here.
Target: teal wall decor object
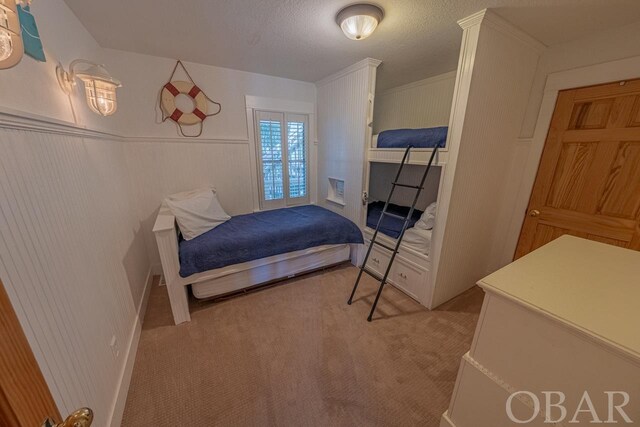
(30, 34)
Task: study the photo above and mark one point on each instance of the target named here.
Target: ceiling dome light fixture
(358, 21)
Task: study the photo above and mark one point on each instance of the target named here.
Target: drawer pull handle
(404, 276)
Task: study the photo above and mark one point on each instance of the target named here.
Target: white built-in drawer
(379, 260)
(404, 274)
(408, 277)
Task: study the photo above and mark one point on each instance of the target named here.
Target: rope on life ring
(168, 95)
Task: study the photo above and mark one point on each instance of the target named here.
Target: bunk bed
(391, 226)
(416, 238)
(411, 269)
(389, 145)
(418, 138)
(248, 250)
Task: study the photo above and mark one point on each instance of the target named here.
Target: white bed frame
(234, 277)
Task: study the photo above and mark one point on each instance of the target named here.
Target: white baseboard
(117, 411)
(156, 269)
(445, 421)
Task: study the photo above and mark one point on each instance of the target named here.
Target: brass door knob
(81, 418)
(534, 212)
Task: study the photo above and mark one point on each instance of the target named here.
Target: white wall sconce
(11, 47)
(359, 21)
(99, 86)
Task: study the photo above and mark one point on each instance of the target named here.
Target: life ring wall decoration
(169, 93)
(172, 89)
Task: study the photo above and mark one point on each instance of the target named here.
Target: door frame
(623, 69)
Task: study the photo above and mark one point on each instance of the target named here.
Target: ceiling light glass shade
(100, 90)
(359, 21)
(359, 27)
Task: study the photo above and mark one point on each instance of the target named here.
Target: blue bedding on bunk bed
(259, 235)
(390, 226)
(419, 138)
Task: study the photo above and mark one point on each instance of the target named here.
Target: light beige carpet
(297, 355)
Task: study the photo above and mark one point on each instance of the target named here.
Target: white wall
(421, 104)
(32, 86)
(381, 176)
(143, 76)
(488, 109)
(162, 162)
(343, 113)
(607, 46)
(162, 168)
(74, 260)
(77, 206)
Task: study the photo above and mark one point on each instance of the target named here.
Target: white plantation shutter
(283, 158)
(297, 156)
(271, 145)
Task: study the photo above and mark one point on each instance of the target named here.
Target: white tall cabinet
(495, 74)
(493, 80)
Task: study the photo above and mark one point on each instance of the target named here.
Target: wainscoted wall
(76, 207)
(72, 254)
(344, 109)
(162, 168)
(425, 103)
(73, 260)
(162, 162)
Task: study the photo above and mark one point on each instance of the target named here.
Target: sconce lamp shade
(11, 46)
(100, 90)
(99, 86)
(359, 21)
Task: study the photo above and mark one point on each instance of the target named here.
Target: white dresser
(563, 319)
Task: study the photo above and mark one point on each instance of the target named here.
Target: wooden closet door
(588, 181)
(25, 400)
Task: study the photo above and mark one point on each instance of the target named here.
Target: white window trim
(255, 103)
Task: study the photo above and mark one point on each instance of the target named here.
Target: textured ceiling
(299, 39)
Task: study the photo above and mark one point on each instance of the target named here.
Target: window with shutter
(283, 157)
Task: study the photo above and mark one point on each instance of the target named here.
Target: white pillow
(196, 211)
(428, 218)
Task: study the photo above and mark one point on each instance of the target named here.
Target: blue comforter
(259, 235)
(390, 226)
(419, 138)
